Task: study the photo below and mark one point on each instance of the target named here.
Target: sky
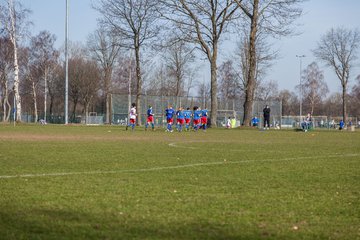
(319, 17)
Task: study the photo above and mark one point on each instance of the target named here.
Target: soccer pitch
(102, 182)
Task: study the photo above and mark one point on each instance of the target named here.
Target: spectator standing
(266, 112)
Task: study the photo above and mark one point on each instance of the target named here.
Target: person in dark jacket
(266, 112)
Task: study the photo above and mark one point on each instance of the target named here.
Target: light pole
(129, 89)
(300, 97)
(66, 62)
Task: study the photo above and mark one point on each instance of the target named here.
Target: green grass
(78, 182)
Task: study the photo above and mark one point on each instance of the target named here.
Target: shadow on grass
(61, 224)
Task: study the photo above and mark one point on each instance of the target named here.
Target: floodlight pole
(129, 87)
(66, 62)
(300, 81)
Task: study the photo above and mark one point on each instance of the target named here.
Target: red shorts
(203, 120)
(180, 121)
(187, 121)
(196, 121)
(170, 121)
(150, 119)
(132, 121)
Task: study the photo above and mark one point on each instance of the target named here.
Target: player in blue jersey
(180, 119)
(204, 116)
(197, 118)
(169, 113)
(150, 119)
(187, 116)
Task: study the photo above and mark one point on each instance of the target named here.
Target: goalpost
(224, 115)
(93, 119)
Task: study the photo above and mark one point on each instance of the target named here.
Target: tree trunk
(139, 84)
(107, 95)
(214, 103)
(16, 65)
(16, 87)
(51, 105)
(74, 109)
(344, 98)
(86, 112)
(8, 111)
(6, 104)
(251, 84)
(108, 106)
(35, 102)
(178, 85)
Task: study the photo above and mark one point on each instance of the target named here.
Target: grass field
(101, 182)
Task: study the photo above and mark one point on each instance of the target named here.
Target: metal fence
(230, 108)
(322, 122)
(226, 108)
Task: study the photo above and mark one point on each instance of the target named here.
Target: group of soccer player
(184, 117)
(196, 118)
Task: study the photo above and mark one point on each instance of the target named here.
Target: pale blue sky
(319, 17)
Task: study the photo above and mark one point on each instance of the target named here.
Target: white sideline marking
(175, 145)
(211, 149)
(172, 167)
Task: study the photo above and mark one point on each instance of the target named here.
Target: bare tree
(229, 85)
(123, 78)
(191, 76)
(289, 102)
(84, 82)
(314, 88)
(105, 47)
(355, 98)
(178, 57)
(89, 84)
(333, 105)
(31, 76)
(338, 49)
(5, 68)
(44, 57)
(13, 19)
(267, 90)
(272, 17)
(204, 91)
(160, 83)
(56, 89)
(135, 22)
(76, 75)
(264, 59)
(203, 22)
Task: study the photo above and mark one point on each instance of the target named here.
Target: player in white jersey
(132, 116)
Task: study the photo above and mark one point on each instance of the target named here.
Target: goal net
(93, 119)
(224, 115)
